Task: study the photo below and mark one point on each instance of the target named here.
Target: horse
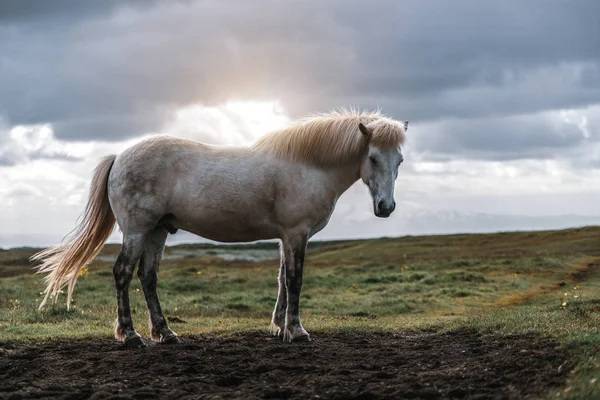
(283, 186)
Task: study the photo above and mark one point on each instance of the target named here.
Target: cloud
(121, 70)
(45, 181)
(24, 144)
(41, 199)
(33, 11)
(233, 124)
(546, 135)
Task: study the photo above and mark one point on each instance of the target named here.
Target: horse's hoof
(171, 340)
(276, 330)
(302, 338)
(299, 336)
(135, 342)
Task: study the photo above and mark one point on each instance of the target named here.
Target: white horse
(285, 187)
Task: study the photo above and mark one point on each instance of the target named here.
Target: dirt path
(580, 273)
(412, 365)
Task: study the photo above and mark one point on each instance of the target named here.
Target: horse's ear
(364, 130)
(405, 126)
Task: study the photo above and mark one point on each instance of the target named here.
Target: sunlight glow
(260, 117)
(233, 123)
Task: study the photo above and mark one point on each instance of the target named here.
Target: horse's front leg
(148, 275)
(294, 249)
(278, 321)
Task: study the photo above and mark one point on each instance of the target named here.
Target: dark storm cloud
(112, 127)
(541, 136)
(37, 12)
(117, 70)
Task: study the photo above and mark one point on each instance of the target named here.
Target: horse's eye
(373, 160)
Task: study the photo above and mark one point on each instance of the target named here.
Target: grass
(544, 283)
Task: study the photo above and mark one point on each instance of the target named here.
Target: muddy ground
(412, 365)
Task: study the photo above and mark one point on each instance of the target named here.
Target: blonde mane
(331, 138)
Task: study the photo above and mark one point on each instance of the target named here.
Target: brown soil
(585, 269)
(411, 365)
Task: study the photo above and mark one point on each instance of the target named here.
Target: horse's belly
(230, 229)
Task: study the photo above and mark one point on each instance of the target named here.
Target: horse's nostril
(393, 206)
(380, 205)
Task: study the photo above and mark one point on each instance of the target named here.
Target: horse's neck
(340, 177)
(343, 177)
(346, 175)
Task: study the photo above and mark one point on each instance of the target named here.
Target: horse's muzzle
(384, 209)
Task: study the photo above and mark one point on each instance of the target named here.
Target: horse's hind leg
(148, 275)
(123, 271)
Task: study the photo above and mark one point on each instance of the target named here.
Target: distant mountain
(423, 222)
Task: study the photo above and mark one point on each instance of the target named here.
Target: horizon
(211, 244)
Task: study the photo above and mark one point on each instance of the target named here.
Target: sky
(503, 100)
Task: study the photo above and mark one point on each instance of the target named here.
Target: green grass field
(547, 283)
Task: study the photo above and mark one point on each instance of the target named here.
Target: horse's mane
(331, 138)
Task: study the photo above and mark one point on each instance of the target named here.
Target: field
(506, 315)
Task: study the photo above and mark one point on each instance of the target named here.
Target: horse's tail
(64, 262)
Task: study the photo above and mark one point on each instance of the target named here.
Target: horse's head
(379, 171)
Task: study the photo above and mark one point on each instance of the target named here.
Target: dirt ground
(411, 365)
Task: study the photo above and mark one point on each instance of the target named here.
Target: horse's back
(152, 165)
(202, 187)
